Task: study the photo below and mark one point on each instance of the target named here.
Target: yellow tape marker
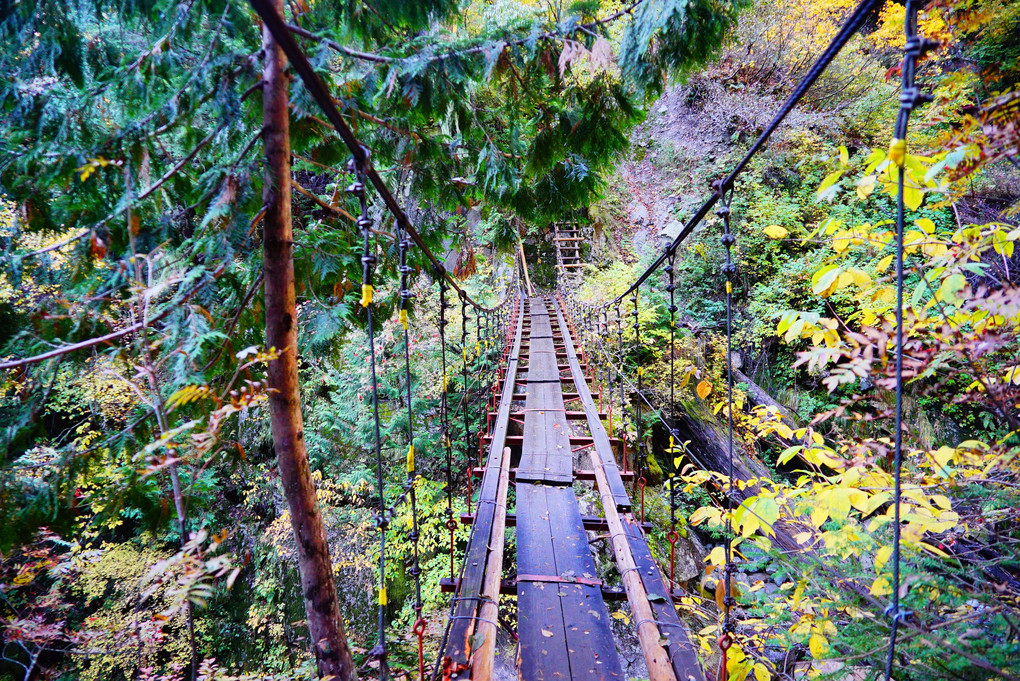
(410, 459)
(382, 596)
(640, 371)
(729, 287)
(403, 318)
(366, 295)
(898, 151)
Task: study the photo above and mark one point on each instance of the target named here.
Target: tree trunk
(760, 398)
(709, 449)
(325, 626)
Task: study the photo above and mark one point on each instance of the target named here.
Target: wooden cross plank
(681, 652)
(545, 448)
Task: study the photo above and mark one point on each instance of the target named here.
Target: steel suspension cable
(623, 401)
(674, 434)
(910, 98)
(410, 482)
(368, 260)
(639, 444)
(444, 415)
(729, 270)
(318, 91)
(852, 24)
(464, 402)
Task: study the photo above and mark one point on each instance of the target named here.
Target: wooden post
(524, 264)
(482, 657)
(659, 668)
(325, 626)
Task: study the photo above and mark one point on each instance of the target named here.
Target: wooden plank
(649, 634)
(518, 440)
(540, 657)
(545, 445)
(681, 652)
(457, 652)
(524, 265)
(591, 523)
(600, 439)
(573, 639)
(578, 474)
(590, 644)
(508, 587)
(488, 615)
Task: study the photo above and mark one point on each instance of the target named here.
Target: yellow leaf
(761, 672)
(913, 195)
(717, 556)
(704, 389)
(931, 549)
(830, 179)
(861, 278)
(881, 587)
(866, 186)
(884, 263)
(886, 294)
(784, 431)
(776, 232)
(844, 156)
(882, 557)
(818, 645)
(1002, 243)
(950, 288)
(926, 225)
(841, 241)
(824, 280)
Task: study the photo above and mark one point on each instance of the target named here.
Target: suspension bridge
(545, 431)
(563, 623)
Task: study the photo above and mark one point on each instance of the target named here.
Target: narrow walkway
(564, 628)
(562, 621)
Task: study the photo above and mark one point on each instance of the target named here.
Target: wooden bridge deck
(563, 624)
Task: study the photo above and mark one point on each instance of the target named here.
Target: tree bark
(759, 397)
(709, 448)
(325, 626)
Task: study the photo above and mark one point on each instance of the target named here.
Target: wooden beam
(524, 264)
(508, 587)
(482, 658)
(578, 475)
(659, 668)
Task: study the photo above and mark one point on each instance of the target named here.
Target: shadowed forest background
(145, 527)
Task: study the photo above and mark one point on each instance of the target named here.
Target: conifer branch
(475, 49)
(100, 340)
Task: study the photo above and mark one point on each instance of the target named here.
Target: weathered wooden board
(564, 627)
(603, 446)
(477, 554)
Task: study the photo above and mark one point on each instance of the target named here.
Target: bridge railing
(597, 319)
